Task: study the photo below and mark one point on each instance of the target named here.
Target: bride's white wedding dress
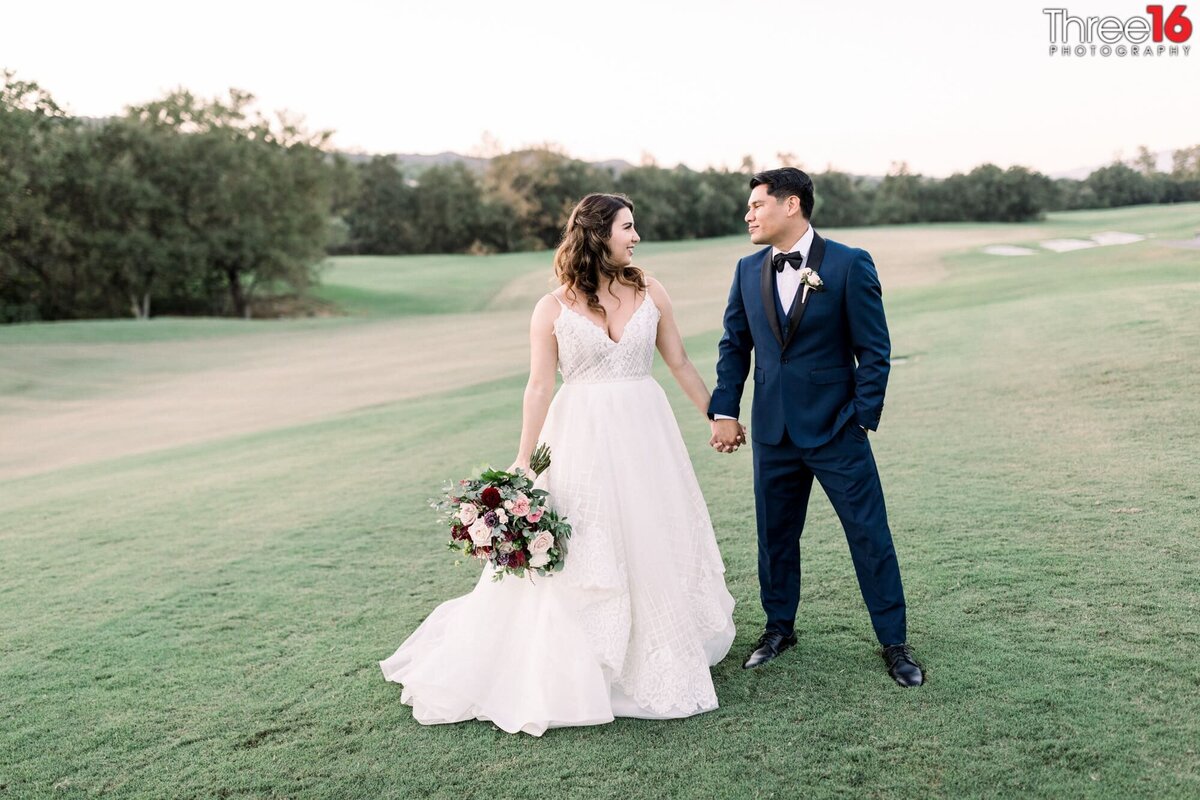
(640, 611)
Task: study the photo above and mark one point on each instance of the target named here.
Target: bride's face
(623, 238)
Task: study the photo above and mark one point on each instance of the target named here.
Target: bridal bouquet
(500, 518)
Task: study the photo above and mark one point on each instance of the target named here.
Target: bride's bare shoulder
(562, 297)
(547, 309)
(656, 289)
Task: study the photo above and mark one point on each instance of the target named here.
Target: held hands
(727, 435)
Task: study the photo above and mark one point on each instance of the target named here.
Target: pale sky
(944, 86)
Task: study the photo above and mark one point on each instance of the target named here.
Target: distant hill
(419, 161)
(422, 160)
(1163, 163)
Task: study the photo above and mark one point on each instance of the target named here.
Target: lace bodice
(587, 355)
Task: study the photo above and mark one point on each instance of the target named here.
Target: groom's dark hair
(783, 183)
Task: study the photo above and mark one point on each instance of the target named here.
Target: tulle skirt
(634, 621)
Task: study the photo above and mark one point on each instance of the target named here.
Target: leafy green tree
(539, 187)
(134, 243)
(990, 194)
(898, 197)
(255, 193)
(449, 209)
(1120, 185)
(841, 200)
(1070, 194)
(381, 219)
(1185, 174)
(682, 203)
(36, 277)
(1185, 163)
(719, 205)
(345, 187)
(659, 201)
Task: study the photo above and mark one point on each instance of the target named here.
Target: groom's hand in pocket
(727, 435)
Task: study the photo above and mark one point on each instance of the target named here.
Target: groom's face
(767, 218)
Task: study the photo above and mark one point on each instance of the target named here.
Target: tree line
(179, 206)
(193, 206)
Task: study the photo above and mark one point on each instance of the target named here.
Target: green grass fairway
(198, 613)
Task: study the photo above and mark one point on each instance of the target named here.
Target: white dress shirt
(787, 283)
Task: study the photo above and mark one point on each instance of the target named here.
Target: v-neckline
(604, 331)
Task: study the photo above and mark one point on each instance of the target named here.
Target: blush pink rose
(467, 513)
(541, 543)
(520, 506)
(536, 515)
(481, 534)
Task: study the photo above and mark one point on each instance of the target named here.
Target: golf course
(211, 531)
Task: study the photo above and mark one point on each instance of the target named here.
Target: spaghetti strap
(562, 308)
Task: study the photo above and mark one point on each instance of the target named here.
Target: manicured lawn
(205, 621)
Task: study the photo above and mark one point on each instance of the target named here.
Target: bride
(640, 612)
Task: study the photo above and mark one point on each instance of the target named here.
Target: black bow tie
(795, 259)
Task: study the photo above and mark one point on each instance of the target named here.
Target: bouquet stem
(539, 462)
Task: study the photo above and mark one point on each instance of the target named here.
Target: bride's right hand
(519, 464)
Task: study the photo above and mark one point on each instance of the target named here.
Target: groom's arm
(868, 338)
(733, 361)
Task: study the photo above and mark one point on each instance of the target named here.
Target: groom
(812, 312)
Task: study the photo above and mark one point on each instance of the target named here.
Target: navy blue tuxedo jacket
(823, 364)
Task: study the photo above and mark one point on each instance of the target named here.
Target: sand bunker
(1103, 239)
(1116, 237)
(1067, 245)
(1008, 250)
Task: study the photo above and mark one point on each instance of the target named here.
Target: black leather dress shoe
(901, 665)
(770, 644)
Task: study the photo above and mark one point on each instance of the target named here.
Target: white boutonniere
(810, 280)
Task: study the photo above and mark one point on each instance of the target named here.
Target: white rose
(481, 534)
(467, 513)
(541, 543)
(539, 560)
(501, 516)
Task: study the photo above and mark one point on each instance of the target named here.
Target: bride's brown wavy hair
(582, 261)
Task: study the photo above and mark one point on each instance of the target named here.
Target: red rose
(490, 497)
(459, 533)
(516, 558)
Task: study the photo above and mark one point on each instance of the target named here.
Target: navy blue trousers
(845, 468)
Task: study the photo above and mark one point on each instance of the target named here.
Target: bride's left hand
(523, 465)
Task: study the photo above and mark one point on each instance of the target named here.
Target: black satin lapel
(768, 296)
(816, 253)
